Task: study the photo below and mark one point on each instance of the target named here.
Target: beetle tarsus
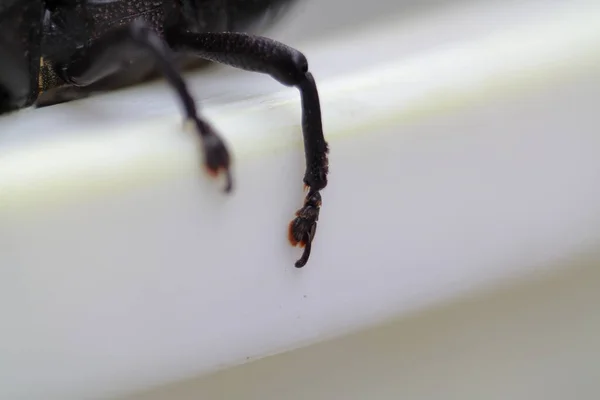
(305, 255)
(216, 155)
(303, 228)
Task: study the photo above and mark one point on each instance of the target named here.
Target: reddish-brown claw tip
(303, 228)
(306, 242)
(291, 234)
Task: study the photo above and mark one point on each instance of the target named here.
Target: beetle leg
(107, 55)
(289, 67)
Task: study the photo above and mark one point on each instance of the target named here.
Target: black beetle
(58, 50)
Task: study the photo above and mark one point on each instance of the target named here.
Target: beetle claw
(303, 228)
(307, 243)
(216, 156)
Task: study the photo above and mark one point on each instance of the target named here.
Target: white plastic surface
(537, 341)
(453, 167)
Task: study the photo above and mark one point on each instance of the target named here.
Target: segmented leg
(289, 67)
(107, 55)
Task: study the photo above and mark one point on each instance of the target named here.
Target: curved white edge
(123, 266)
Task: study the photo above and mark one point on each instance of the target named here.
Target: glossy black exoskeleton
(59, 50)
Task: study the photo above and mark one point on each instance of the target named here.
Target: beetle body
(67, 28)
(59, 50)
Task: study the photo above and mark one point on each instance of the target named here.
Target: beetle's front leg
(289, 67)
(109, 53)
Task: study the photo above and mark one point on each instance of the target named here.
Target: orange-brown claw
(303, 228)
(217, 158)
